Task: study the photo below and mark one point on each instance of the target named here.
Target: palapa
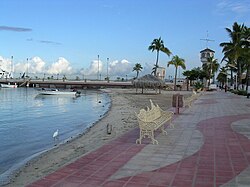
(148, 81)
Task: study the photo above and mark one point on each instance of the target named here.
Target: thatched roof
(148, 81)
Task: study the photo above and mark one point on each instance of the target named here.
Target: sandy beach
(121, 116)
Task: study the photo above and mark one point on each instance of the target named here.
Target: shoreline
(124, 102)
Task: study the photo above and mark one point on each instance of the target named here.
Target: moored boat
(8, 85)
(57, 92)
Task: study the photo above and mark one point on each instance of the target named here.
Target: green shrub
(198, 85)
(239, 92)
(242, 92)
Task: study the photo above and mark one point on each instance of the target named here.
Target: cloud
(49, 42)
(62, 66)
(238, 7)
(116, 68)
(120, 68)
(14, 29)
(93, 68)
(37, 66)
(43, 41)
(5, 64)
(34, 65)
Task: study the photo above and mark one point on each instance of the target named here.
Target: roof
(207, 50)
(148, 81)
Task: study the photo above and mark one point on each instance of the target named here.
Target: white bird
(55, 135)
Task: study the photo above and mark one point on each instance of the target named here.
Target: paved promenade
(209, 146)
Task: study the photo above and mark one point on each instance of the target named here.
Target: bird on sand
(55, 135)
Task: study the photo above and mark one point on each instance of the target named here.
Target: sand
(121, 116)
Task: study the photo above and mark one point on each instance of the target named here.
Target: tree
(222, 76)
(246, 54)
(211, 67)
(191, 75)
(158, 45)
(234, 48)
(230, 64)
(137, 68)
(177, 62)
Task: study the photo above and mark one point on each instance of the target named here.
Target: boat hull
(57, 93)
(8, 86)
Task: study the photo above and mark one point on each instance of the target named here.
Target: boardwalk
(209, 146)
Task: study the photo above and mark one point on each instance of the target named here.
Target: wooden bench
(152, 119)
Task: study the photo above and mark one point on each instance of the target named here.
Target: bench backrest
(150, 114)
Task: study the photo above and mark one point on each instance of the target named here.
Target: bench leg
(154, 141)
(142, 135)
(163, 130)
(150, 134)
(138, 141)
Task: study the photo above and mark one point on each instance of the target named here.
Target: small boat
(8, 85)
(57, 92)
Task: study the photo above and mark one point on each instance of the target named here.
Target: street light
(98, 67)
(27, 67)
(107, 69)
(12, 67)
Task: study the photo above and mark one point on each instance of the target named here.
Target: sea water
(28, 121)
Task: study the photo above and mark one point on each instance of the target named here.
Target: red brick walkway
(224, 154)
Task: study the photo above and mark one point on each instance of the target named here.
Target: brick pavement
(209, 146)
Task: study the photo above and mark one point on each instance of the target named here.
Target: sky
(67, 36)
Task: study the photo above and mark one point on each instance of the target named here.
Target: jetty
(68, 84)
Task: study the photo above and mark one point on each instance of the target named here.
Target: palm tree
(154, 69)
(137, 68)
(211, 67)
(222, 76)
(193, 74)
(158, 45)
(177, 62)
(232, 67)
(233, 48)
(246, 45)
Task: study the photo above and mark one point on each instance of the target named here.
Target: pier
(68, 84)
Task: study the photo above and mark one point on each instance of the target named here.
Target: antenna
(207, 40)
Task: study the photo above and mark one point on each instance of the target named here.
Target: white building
(160, 73)
(206, 53)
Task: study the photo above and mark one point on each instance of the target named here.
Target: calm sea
(28, 121)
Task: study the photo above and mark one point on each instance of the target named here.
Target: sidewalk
(209, 146)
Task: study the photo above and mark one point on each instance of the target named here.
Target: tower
(206, 53)
(160, 73)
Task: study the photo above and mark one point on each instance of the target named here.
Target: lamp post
(27, 67)
(98, 67)
(12, 67)
(107, 69)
